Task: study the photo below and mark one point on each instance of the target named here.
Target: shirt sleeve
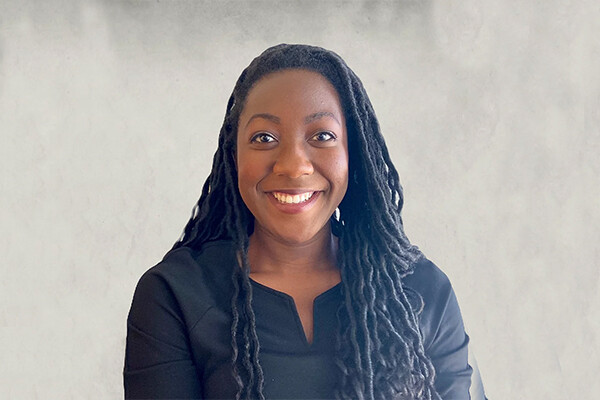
(158, 359)
(449, 354)
(444, 337)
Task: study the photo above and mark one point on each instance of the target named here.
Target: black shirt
(179, 340)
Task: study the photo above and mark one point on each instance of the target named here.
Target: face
(292, 155)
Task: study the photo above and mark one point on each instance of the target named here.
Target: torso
(185, 303)
(303, 288)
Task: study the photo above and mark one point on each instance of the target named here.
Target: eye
(323, 136)
(263, 137)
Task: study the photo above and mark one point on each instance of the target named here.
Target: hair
(379, 352)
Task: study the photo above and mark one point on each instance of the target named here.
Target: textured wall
(109, 113)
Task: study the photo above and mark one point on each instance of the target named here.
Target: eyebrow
(307, 120)
(321, 114)
(269, 117)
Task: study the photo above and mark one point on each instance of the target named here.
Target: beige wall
(109, 113)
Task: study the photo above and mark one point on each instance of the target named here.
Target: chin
(296, 239)
(294, 235)
(299, 237)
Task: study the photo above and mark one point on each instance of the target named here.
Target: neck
(268, 254)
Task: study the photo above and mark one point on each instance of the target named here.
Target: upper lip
(292, 191)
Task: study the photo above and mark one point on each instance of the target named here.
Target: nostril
(293, 165)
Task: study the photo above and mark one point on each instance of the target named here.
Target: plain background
(109, 115)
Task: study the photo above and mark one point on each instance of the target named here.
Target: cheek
(244, 184)
(343, 179)
(339, 172)
(343, 165)
(250, 171)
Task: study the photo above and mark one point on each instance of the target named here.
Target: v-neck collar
(318, 303)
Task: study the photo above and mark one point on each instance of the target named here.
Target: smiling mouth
(286, 198)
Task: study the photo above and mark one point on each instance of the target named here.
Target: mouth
(296, 198)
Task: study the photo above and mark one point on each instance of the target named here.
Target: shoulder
(187, 281)
(189, 267)
(428, 280)
(438, 311)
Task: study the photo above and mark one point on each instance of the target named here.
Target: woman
(294, 278)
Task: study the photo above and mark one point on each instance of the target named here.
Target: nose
(293, 161)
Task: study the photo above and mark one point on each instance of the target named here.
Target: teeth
(292, 199)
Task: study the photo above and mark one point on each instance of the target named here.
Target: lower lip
(292, 208)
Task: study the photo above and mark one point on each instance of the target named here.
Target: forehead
(295, 88)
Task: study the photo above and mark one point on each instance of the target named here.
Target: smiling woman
(291, 146)
(294, 278)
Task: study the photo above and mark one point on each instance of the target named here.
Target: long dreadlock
(380, 352)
